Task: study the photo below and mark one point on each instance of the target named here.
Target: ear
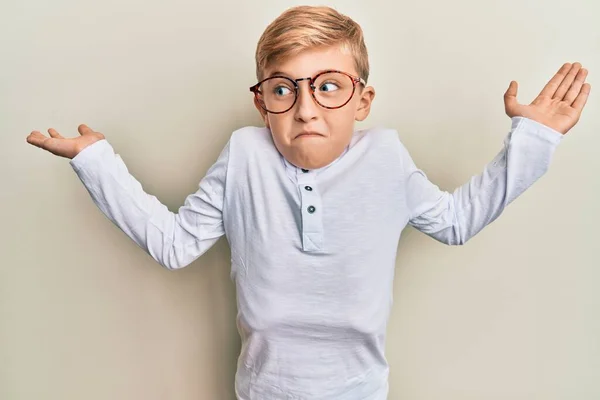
(264, 115)
(364, 103)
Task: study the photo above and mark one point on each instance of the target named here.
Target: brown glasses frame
(355, 79)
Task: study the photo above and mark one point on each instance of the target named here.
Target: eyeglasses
(330, 89)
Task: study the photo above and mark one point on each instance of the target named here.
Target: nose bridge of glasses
(308, 95)
(311, 83)
(305, 99)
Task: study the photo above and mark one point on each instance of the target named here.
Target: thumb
(84, 129)
(510, 98)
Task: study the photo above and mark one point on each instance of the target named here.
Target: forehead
(313, 60)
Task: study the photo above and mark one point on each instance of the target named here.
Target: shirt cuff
(90, 154)
(534, 128)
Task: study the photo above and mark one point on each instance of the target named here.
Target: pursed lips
(308, 134)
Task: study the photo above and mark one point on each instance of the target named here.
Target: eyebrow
(277, 73)
(289, 76)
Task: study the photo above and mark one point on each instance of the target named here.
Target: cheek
(280, 127)
(278, 119)
(343, 118)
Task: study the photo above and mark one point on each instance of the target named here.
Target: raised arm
(174, 240)
(454, 218)
(536, 129)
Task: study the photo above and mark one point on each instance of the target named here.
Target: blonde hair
(303, 27)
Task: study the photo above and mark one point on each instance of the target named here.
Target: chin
(314, 162)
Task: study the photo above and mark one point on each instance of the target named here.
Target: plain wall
(86, 314)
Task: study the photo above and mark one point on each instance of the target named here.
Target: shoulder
(385, 140)
(251, 144)
(251, 136)
(384, 146)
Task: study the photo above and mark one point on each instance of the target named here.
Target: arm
(537, 128)
(174, 240)
(454, 218)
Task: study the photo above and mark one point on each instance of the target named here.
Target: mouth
(307, 134)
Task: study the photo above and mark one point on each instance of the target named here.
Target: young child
(313, 210)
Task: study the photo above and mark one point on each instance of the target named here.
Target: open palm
(64, 147)
(559, 104)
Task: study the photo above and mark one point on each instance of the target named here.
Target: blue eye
(328, 87)
(281, 91)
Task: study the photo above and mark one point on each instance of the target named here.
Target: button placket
(312, 221)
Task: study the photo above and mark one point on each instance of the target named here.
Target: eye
(328, 87)
(282, 90)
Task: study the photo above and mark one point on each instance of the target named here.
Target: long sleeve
(174, 240)
(454, 218)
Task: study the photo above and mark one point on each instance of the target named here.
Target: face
(331, 128)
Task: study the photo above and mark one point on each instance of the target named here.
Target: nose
(306, 109)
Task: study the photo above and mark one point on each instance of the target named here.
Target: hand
(559, 104)
(64, 147)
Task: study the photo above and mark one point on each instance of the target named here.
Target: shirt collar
(293, 170)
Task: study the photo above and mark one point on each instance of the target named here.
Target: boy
(313, 210)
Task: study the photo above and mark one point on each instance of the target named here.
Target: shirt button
(308, 188)
(304, 170)
(311, 209)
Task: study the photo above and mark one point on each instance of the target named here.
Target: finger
(566, 83)
(576, 86)
(37, 139)
(53, 133)
(510, 98)
(57, 146)
(84, 129)
(553, 83)
(582, 97)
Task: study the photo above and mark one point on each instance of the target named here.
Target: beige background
(85, 314)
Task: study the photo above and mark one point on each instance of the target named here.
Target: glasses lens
(277, 94)
(333, 89)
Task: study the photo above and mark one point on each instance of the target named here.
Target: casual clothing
(313, 253)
